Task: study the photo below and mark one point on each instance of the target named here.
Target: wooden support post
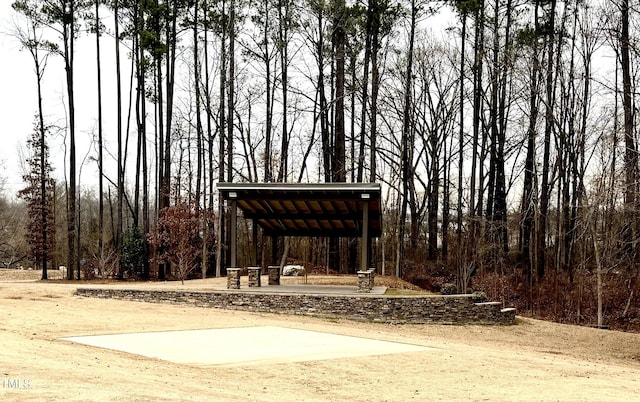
(255, 242)
(234, 232)
(364, 241)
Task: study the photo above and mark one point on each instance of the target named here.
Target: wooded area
(504, 133)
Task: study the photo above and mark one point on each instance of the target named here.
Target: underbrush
(558, 297)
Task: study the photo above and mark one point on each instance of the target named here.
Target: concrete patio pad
(244, 346)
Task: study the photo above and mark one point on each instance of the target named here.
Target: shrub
(449, 289)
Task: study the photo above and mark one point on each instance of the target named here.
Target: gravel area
(532, 360)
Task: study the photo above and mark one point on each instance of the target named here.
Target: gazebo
(318, 210)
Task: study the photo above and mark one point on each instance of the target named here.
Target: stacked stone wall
(455, 309)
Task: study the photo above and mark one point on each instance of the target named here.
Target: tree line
(504, 132)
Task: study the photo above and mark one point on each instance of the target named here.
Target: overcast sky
(18, 103)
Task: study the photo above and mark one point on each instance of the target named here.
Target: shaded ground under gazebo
(314, 210)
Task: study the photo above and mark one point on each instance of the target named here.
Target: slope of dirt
(532, 360)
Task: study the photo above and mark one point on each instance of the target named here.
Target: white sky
(18, 103)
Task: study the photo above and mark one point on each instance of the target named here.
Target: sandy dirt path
(532, 360)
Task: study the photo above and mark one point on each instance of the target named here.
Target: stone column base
(274, 275)
(233, 278)
(254, 277)
(365, 280)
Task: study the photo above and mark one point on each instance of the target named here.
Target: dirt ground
(532, 360)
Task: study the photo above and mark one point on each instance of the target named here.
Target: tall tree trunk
(446, 201)
(231, 103)
(631, 154)
(231, 92)
(269, 92)
(375, 87)
(365, 87)
(462, 277)
(500, 208)
(592, 223)
(208, 225)
(434, 194)
(491, 210)
(579, 191)
(165, 116)
(170, 57)
(202, 154)
(44, 210)
(209, 112)
(338, 165)
(353, 160)
(475, 203)
(283, 47)
(405, 163)
(162, 185)
(120, 175)
(324, 107)
(145, 185)
(566, 155)
(100, 142)
(549, 122)
(140, 119)
(69, 43)
(221, 144)
(528, 193)
(493, 121)
(339, 42)
(199, 130)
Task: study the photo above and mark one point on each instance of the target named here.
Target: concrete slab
(244, 346)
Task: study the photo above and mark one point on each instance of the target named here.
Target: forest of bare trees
(504, 133)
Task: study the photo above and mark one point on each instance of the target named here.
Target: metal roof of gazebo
(321, 209)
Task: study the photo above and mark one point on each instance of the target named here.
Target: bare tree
(62, 18)
(631, 153)
(339, 39)
(406, 138)
(178, 235)
(38, 180)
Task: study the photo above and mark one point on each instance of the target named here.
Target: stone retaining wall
(455, 309)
